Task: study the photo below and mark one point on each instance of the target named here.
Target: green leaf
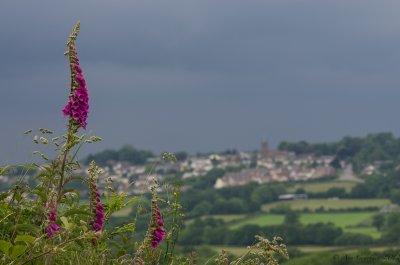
(76, 211)
(67, 224)
(130, 227)
(25, 238)
(3, 195)
(39, 191)
(5, 246)
(18, 250)
(93, 139)
(132, 201)
(115, 202)
(27, 228)
(3, 170)
(29, 167)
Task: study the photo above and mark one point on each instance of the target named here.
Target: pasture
(356, 222)
(327, 204)
(323, 186)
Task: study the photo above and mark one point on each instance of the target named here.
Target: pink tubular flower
(98, 222)
(77, 107)
(52, 228)
(158, 233)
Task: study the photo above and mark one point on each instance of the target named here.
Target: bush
(353, 239)
(281, 209)
(243, 236)
(267, 193)
(321, 234)
(203, 208)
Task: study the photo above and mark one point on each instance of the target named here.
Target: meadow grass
(348, 221)
(339, 219)
(227, 218)
(367, 230)
(323, 186)
(334, 204)
(261, 220)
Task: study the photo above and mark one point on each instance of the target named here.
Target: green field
(261, 220)
(348, 221)
(227, 218)
(336, 204)
(368, 230)
(340, 219)
(323, 186)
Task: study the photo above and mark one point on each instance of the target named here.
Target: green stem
(50, 250)
(63, 163)
(78, 148)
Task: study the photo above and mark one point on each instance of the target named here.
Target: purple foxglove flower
(158, 233)
(98, 222)
(52, 228)
(97, 208)
(77, 107)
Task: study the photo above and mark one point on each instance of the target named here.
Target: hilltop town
(132, 171)
(262, 166)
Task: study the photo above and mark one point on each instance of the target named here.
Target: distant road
(348, 174)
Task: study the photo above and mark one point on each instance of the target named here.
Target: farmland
(323, 186)
(327, 204)
(357, 222)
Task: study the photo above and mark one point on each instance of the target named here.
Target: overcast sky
(203, 75)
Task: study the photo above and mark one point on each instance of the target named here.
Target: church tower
(264, 149)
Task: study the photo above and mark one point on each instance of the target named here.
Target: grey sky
(203, 75)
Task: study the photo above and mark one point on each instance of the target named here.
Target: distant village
(263, 166)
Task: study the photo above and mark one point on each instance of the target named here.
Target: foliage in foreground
(48, 223)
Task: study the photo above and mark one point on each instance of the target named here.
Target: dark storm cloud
(204, 75)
